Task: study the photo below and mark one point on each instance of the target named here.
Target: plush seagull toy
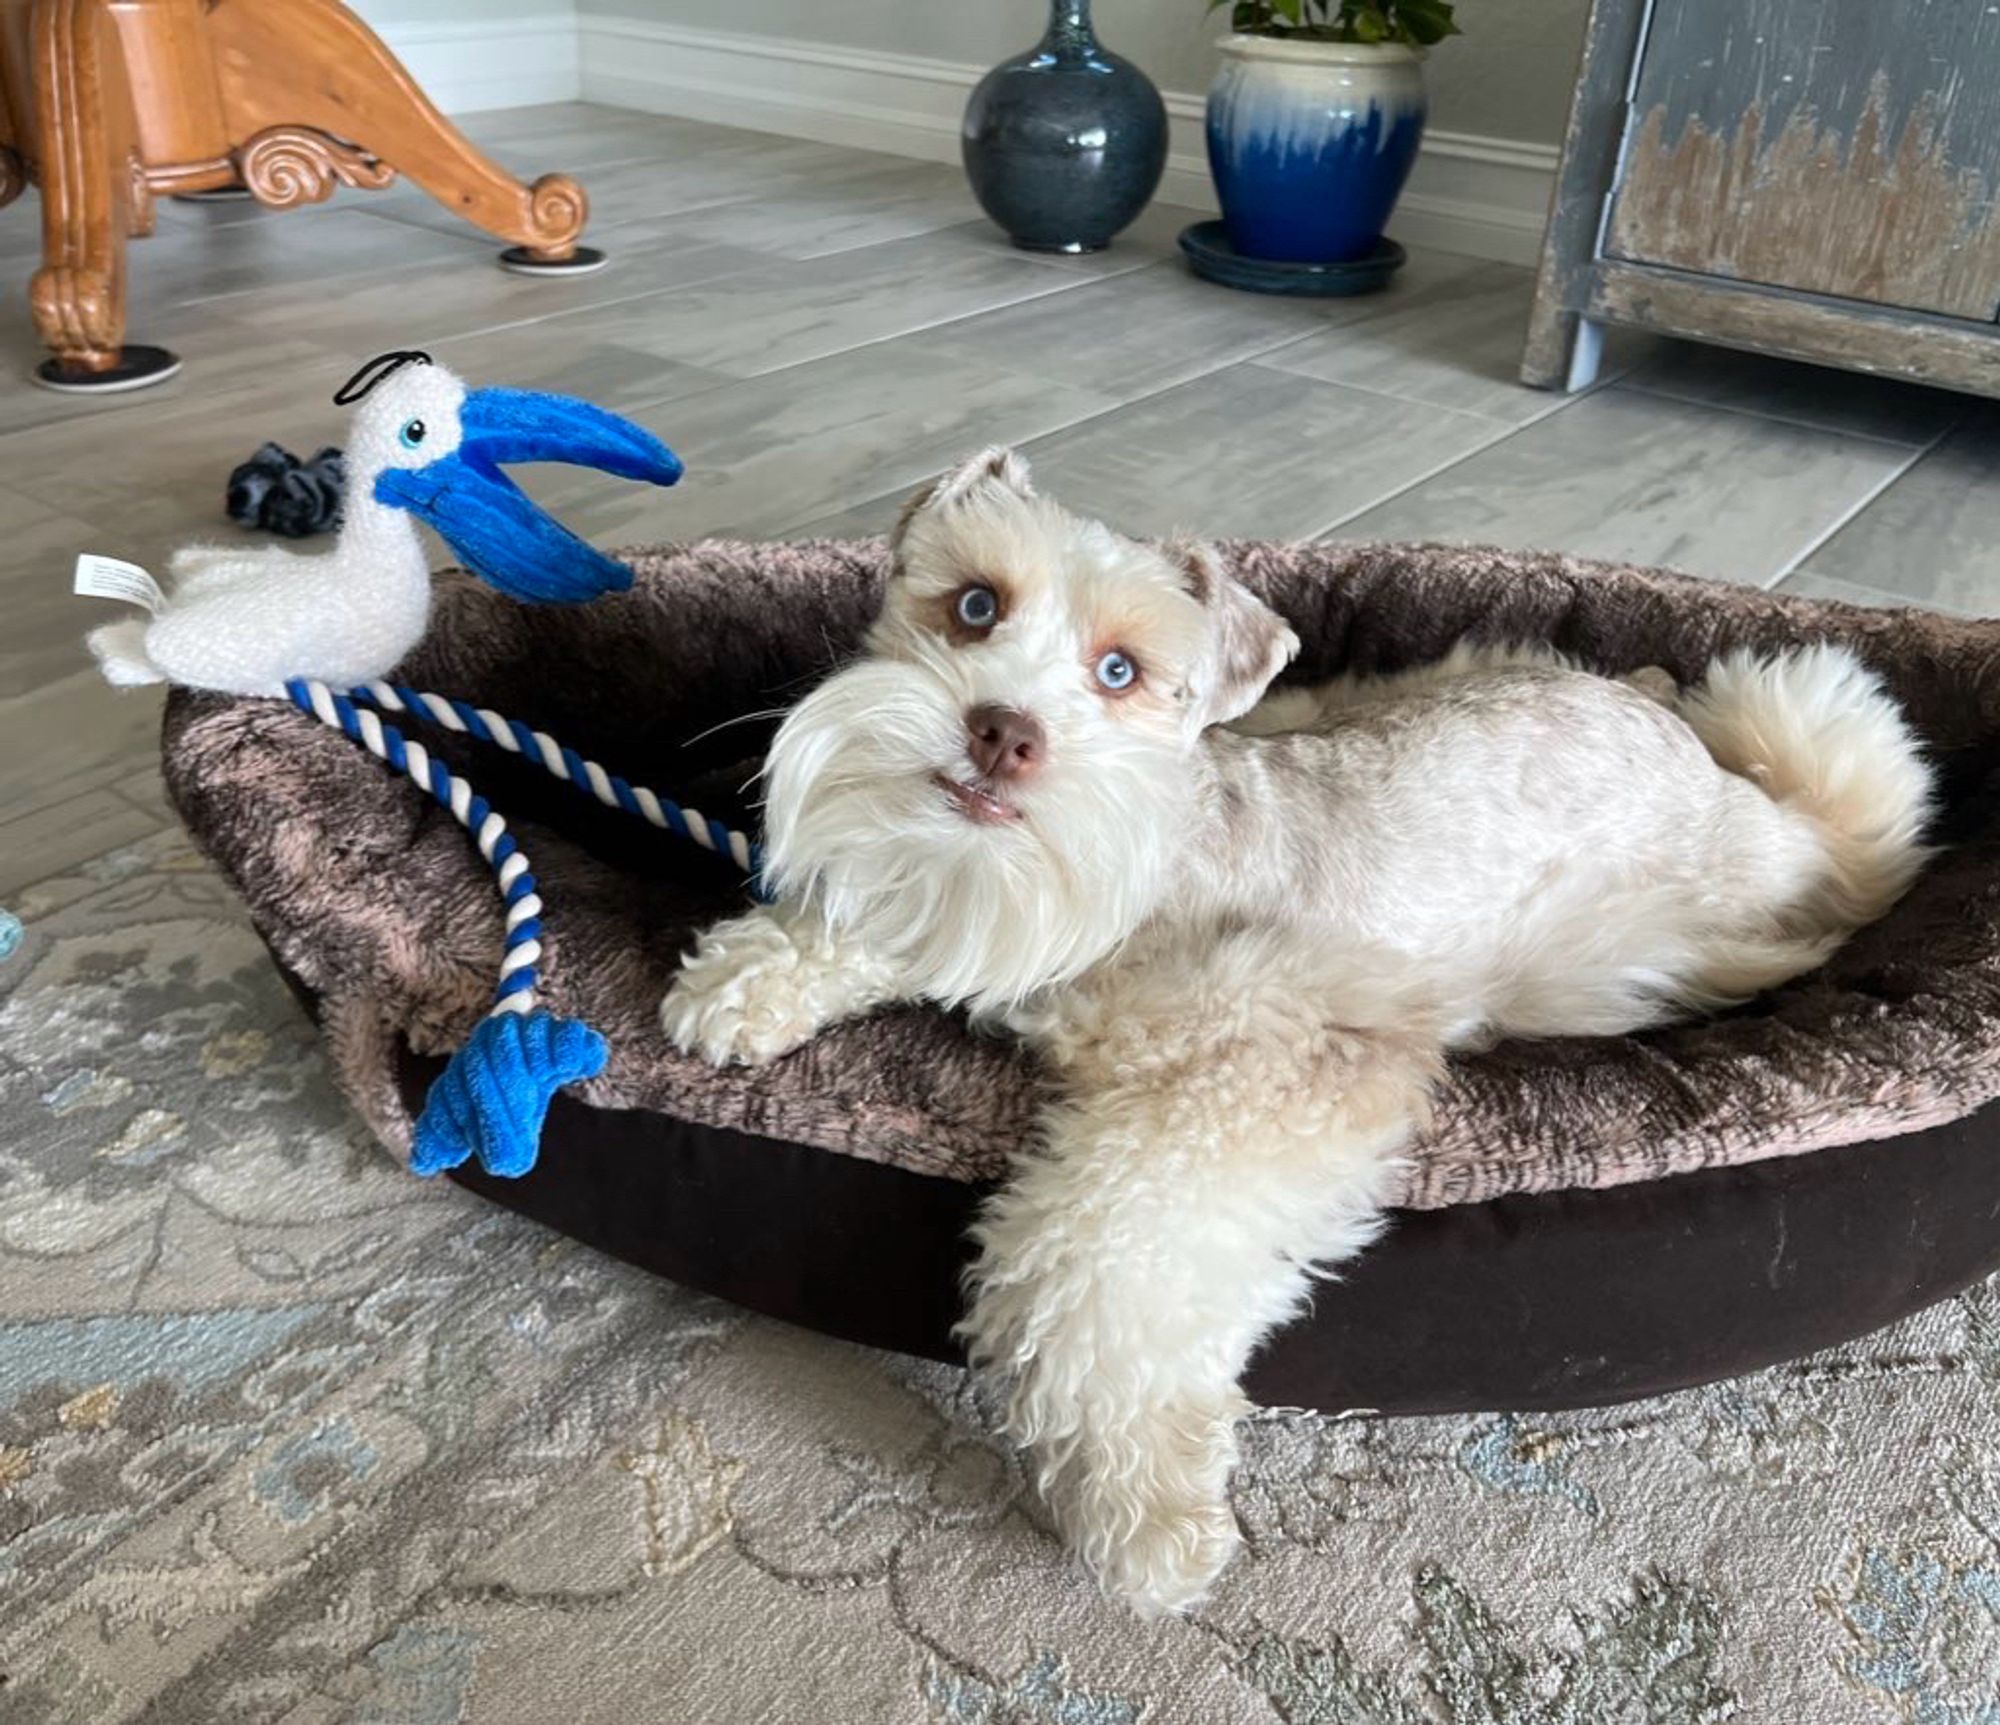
(267, 621)
(248, 619)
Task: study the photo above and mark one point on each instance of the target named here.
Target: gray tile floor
(817, 329)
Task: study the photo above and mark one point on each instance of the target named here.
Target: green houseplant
(1314, 120)
(1414, 23)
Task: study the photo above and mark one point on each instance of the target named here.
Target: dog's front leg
(760, 984)
(1172, 1217)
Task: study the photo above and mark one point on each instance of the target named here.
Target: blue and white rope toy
(487, 726)
(266, 621)
(493, 1096)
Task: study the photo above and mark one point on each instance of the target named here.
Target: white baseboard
(1487, 197)
(507, 63)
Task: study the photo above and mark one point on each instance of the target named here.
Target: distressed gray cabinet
(1813, 178)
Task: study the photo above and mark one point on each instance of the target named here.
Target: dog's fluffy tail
(120, 651)
(1817, 730)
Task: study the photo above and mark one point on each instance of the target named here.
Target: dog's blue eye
(978, 607)
(412, 434)
(1115, 671)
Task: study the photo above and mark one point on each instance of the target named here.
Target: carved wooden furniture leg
(13, 167)
(93, 196)
(106, 103)
(311, 67)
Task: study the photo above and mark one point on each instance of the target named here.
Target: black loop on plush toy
(381, 366)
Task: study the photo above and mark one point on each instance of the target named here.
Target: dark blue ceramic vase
(1310, 143)
(1065, 145)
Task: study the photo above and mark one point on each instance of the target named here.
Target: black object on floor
(138, 367)
(585, 260)
(276, 491)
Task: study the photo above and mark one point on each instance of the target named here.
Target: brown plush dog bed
(1583, 1220)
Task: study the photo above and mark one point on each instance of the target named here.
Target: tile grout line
(366, 205)
(727, 379)
(1879, 598)
(1254, 356)
(1055, 281)
(1115, 406)
(1792, 421)
(1502, 427)
(763, 261)
(1068, 279)
(1913, 452)
(957, 220)
(1850, 515)
(1563, 403)
(1263, 360)
(1063, 279)
(1504, 430)
(1027, 444)
(171, 818)
(91, 782)
(1056, 430)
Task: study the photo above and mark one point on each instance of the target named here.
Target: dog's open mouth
(980, 807)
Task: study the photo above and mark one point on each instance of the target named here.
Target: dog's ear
(996, 468)
(1249, 643)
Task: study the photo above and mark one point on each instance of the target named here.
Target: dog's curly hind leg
(1195, 1172)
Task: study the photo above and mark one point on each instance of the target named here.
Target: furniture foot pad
(216, 195)
(138, 367)
(585, 260)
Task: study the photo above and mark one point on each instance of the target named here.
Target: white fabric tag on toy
(110, 578)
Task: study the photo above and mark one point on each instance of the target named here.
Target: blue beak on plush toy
(496, 530)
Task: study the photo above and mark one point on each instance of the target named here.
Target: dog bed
(1583, 1221)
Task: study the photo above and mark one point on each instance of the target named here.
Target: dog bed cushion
(373, 902)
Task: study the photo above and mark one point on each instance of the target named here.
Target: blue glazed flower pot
(1310, 143)
(1065, 144)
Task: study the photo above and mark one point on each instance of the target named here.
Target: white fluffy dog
(1242, 946)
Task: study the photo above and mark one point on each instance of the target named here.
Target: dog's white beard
(982, 915)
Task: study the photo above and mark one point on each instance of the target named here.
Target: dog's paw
(1148, 1510)
(743, 997)
(730, 1033)
(1170, 1561)
(742, 1020)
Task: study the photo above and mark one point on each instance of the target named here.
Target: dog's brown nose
(1004, 742)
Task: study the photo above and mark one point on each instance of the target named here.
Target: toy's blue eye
(978, 607)
(1116, 672)
(412, 434)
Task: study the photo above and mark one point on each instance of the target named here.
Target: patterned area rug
(288, 1436)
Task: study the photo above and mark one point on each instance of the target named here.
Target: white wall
(1508, 76)
(387, 15)
(474, 54)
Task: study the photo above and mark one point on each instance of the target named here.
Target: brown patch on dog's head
(995, 467)
(1251, 642)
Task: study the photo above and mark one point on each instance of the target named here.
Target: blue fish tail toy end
(491, 1100)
